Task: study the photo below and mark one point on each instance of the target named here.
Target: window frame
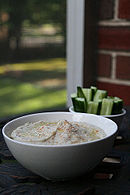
(75, 45)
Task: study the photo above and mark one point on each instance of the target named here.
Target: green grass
(28, 91)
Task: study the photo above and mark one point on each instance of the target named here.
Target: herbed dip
(57, 133)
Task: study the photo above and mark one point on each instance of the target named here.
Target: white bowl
(61, 161)
(117, 118)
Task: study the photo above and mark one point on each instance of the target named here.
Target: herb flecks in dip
(57, 133)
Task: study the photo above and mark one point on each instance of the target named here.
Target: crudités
(96, 101)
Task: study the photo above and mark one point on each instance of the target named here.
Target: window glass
(32, 56)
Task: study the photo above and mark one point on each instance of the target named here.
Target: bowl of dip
(117, 118)
(60, 145)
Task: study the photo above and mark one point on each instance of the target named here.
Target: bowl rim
(112, 116)
(58, 145)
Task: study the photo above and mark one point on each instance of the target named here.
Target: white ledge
(116, 53)
(116, 23)
(114, 81)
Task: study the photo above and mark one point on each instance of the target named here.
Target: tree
(36, 12)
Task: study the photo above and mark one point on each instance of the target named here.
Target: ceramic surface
(61, 161)
(117, 118)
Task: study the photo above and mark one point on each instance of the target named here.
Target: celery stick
(79, 104)
(117, 106)
(80, 92)
(87, 93)
(99, 106)
(94, 89)
(110, 97)
(92, 107)
(73, 96)
(106, 108)
(100, 94)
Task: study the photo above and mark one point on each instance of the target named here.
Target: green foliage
(36, 12)
(17, 97)
(28, 91)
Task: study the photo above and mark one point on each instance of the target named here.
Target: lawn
(32, 86)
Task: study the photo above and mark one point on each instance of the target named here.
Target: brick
(124, 9)
(104, 65)
(122, 91)
(116, 38)
(123, 67)
(106, 9)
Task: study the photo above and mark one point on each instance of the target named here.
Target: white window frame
(75, 46)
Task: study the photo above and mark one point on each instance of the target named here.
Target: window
(32, 56)
(75, 45)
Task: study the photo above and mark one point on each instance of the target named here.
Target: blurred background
(33, 59)
(32, 56)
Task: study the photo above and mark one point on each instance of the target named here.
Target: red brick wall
(114, 48)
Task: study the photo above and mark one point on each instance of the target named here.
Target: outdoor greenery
(31, 12)
(32, 56)
(28, 86)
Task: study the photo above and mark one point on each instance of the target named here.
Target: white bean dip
(57, 133)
